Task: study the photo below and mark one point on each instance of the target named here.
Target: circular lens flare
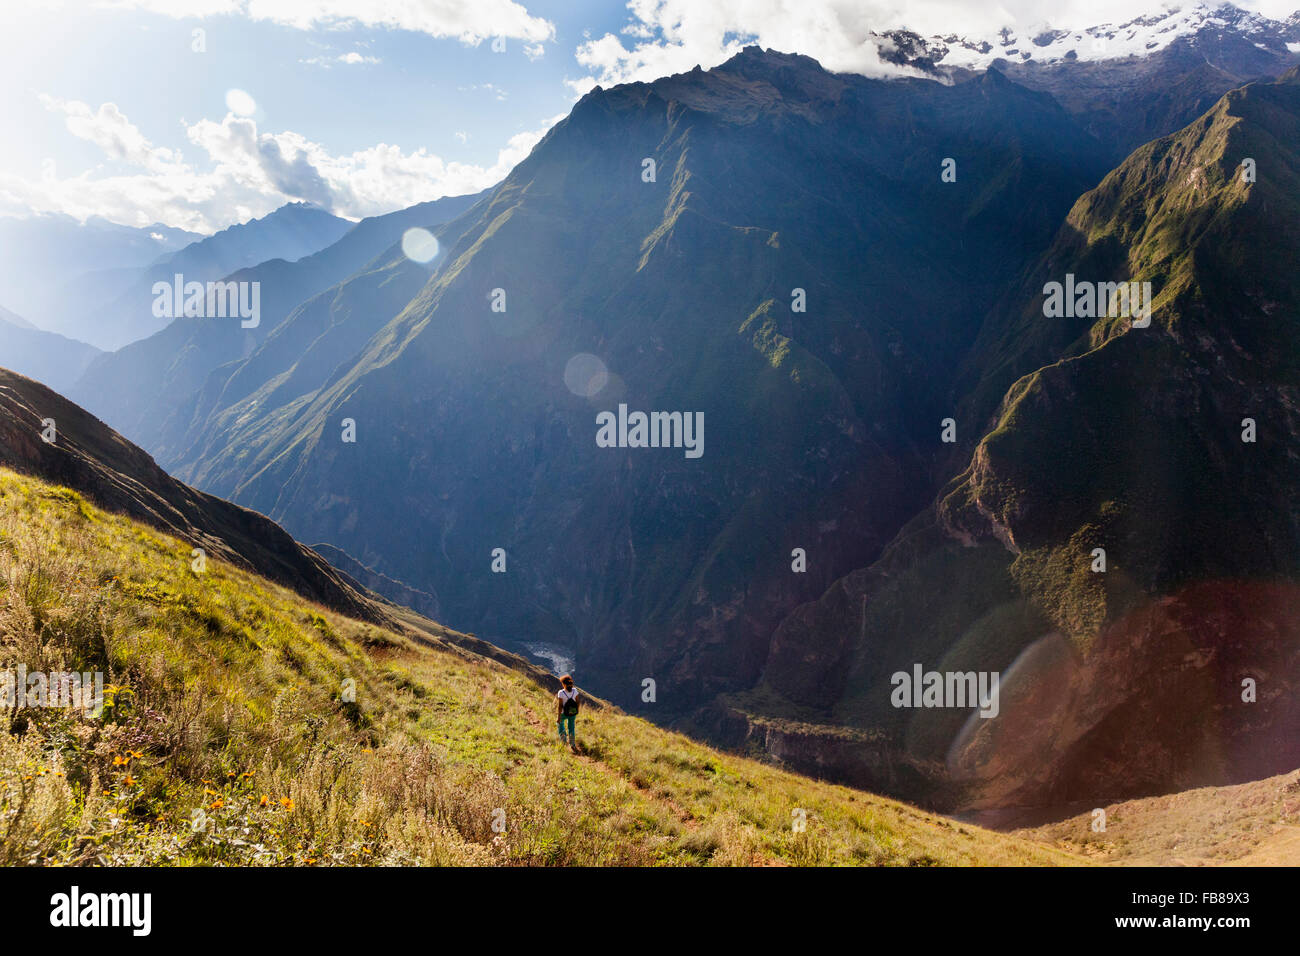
(585, 375)
(419, 245)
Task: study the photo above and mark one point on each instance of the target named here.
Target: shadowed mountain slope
(1171, 448)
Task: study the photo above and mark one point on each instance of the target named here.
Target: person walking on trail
(566, 710)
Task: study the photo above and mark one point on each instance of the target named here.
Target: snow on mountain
(1139, 37)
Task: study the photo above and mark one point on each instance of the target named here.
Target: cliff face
(1170, 448)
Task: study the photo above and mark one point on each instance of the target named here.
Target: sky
(202, 113)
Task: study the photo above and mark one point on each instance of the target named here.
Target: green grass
(230, 739)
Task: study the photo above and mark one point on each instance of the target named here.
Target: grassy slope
(226, 690)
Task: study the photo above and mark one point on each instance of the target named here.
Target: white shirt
(568, 694)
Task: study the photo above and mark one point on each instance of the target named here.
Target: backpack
(571, 705)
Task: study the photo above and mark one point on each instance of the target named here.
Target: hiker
(566, 710)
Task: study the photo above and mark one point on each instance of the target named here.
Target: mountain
(86, 459)
(291, 232)
(54, 268)
(14, 319)
(295, 230)
(245, 725)
(298, 357)
(49, 241)
(653, 253)
(772, 175)
(420, 601)
(152, 385)
(94, 281)
(1126, 83)
(1221, 30)
(45, 356)
(90, 458)
(1172, 665)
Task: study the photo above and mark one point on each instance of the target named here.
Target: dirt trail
(685, 816)
(687, 819)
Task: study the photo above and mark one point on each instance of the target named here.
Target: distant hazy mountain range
(95, 282)
(57, 272)
(46, 356)
(151, 388)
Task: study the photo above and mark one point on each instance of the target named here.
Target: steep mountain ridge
(87, 456)
(1127, 680)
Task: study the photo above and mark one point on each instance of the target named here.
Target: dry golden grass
(1249, 824)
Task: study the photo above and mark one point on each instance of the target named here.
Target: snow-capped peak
(1139, 37)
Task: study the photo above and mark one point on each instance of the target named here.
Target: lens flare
(585, 375)
(419, 245)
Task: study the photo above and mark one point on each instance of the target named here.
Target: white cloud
(672, 36)
(248, 173)
(469, 21)
(581, 87)
(174, 8)
(352, 58)
(112, 132)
